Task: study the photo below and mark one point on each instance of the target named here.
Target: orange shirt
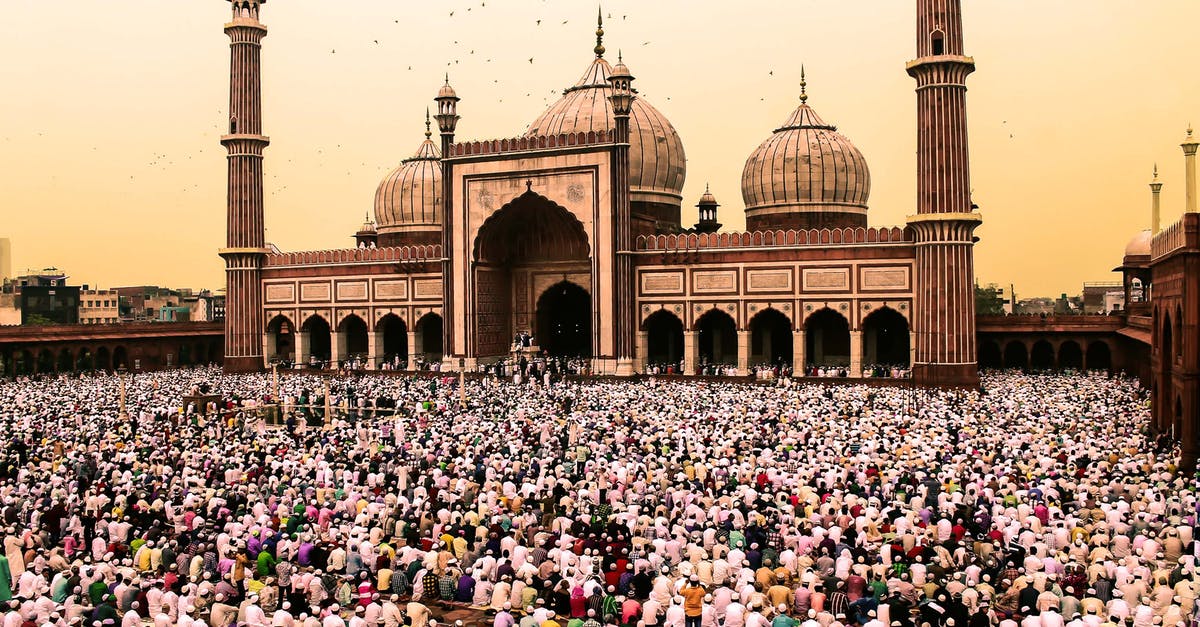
(693, 600)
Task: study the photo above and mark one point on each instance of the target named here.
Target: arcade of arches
(132, 354)
(1037, 353)
(826, 340)
(388, 344)
(532, 275)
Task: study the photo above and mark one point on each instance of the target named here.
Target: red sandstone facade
(571, 233)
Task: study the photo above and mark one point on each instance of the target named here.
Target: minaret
(1155, 204)
(944, 323)
(447, 119)
(625, 302)
(245, 239)
(1189, 171)
(707, 214)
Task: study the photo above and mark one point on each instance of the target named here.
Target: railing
(357, 255)
(750, 239)
(518, 144)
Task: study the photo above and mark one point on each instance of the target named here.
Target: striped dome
(657, 165)
(410, 198)
(806, 175)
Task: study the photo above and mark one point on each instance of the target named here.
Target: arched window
(938, 41)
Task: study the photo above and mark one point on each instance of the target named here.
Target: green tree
(989, 300)
(37, 320)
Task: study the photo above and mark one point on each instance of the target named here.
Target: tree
(989, 300)
(37, 320)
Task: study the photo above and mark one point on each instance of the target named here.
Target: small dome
(707, 198)
(806, 175)
(410, 197)
(1139, 246)
(657, 164)
(447, 91)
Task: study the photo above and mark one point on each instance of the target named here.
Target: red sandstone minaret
(944, 226)
(245, 245)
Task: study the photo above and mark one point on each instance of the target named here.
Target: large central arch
(516, 248)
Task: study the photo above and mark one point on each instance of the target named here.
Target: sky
(111, 169)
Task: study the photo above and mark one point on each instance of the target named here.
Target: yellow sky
(110, 166)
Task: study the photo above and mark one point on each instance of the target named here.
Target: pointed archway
(886, 339)
(527, 238)
(353, 343)
(564, 321)
(664, 341)
(717, 336)
(827, 335)
(395, 341)
(318, 342)
(429, 334)
(770, 338)
(1016, 355)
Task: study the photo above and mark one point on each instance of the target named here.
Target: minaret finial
(706, 188)
(1156, 171)
(447, 78)
(803, 86)
(599, 49)
(428, 133)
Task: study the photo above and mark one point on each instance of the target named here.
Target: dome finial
(599, 49)
(428, 133)
(803, 86)
(1156, 171)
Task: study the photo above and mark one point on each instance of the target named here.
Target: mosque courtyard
(1041, 501)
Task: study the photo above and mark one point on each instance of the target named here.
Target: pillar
(302, 344)
(798, 347)
(413, 351)
(268, 348)
(912, 351)
(691, 352)
(643, 351)
(856, 351)
(337, 348)
(1155, 208)
(743, 352)
(374, 343)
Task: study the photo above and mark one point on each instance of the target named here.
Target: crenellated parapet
(789, 238)
(1183, 234)
(520, 144)
(393, 254)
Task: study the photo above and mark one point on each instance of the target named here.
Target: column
(912, 351)
(691, 352)
(268, 348)
(743, 364)
(302, 347)
(337, 348)
(374, 342)
(413, 353)
(855, 354)
(643, 351)
(798, 347)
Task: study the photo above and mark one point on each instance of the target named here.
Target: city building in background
(5, 259)
(97, 306)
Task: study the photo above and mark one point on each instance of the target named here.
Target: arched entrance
(515, 248)
(990, 356)
(1070, 356)
(23, 362)
(1099, 356)
(1042, 356)
(770, 338)
(564, 321)
(664, 341)
(429, 334)
(103, 359)
(120, 358)
(1016, 355)
(717, 338)
(281, 340)
(885, 339)
(1166, 388)
(395, 341)
(316, 331)
(353, 341)
(85, 361)
(827, 338)
(66, 361)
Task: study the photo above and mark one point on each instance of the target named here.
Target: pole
(462, 380)
(123, 414)
(328, 407)
(275, 382)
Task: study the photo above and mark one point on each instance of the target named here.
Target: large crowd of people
(384, 500)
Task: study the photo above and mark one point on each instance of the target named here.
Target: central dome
(806, 175)
(657, 165)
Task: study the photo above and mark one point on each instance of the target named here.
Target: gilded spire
(599, 32)
(428, 133)
(803, 86)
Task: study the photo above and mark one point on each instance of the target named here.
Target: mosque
(571, 233)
